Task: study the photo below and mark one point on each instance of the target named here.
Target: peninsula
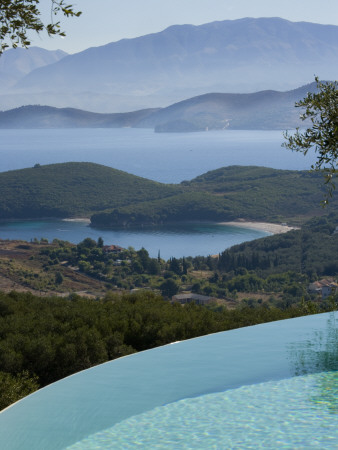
(112, 198)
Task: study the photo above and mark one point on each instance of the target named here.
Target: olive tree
(321, 109)
(18, 17)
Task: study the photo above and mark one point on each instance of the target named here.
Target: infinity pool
(299, 412)
(268, 386)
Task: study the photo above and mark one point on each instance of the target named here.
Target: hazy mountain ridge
(185, 60)
(16, 63)
(36, 116)
(259, 110)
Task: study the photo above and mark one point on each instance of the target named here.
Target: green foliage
(52, 337)
(58, 278)
(15, 387)
(169, 288)
(226, 194)
(72, 189)
(322, 110)
(18, 17)
(313, 249)
(114, 198)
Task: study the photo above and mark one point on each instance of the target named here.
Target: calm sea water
(174, 240)
(164, 157)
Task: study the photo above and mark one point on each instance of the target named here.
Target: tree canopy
(321, 108)
(18, 17)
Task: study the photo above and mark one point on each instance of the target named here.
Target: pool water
(272, 385)
(300, 412)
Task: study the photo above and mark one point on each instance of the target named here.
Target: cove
(189, 239)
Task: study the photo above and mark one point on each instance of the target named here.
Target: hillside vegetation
(72, 189)
(45, 339)
(312, 250)
(114, 198)
(256, 193)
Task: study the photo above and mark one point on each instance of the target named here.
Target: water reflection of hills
(319, 353)
(326, 396)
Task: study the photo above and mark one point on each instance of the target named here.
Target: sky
(104, 21)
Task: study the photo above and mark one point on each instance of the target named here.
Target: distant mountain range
(182, 61)
(261, 110)
(17, 63)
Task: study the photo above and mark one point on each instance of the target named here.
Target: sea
(163, 157)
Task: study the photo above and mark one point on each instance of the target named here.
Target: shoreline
(273, 228)
(77, 219)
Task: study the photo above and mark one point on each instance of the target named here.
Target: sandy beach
(272, 228)
(77, 219)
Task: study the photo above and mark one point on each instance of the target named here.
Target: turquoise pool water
(252, 383)
(299, 412)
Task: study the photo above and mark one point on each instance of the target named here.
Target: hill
(115, 198)
(182, 61)
(72, 189)
(24, 266)
(312, 250)
(264, 110)
(50, 117)
(260, 110)
(252, 193)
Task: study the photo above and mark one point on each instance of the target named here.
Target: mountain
(260, 110)
(35, 116)
(183, 61)
(16, 63)
(264, 110)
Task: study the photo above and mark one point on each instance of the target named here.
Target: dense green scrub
(72, 189)
(283, 264)
(115, 198)
(312, 250)
(45, 339)
(255, 193)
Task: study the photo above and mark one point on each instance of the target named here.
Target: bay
(190, 239)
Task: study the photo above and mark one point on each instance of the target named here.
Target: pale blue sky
(104, 21)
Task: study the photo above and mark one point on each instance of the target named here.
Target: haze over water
(164, 157)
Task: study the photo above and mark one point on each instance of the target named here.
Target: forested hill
(312, 250)
(72, 189)
(228, 193)
(116, 198)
